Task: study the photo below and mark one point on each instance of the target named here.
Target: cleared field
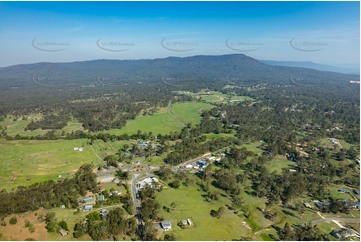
(277, 164)
(189, 112)
(18, 126)
(24, 162)
(18, 231)
(218, 97)
(190, 204)
(162, 122)
(254, 147)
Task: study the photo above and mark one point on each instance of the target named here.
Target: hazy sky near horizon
(322, 32)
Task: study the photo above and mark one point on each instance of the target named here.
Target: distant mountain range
(353, 69)
(236, 68)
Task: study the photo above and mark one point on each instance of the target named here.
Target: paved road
(336, 221)
(347, 220)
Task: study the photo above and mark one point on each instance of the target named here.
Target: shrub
(13, 220)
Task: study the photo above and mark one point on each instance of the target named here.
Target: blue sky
(323, 32)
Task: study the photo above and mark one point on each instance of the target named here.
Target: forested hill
(213, 69)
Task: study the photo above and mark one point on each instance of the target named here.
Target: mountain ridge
(237, 67)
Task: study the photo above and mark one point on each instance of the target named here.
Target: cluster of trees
(149, 212)
(108, 227)
(149, 206)
(50, 121)
(305, 232)
(192, 147)
(53, 225)
(313, 177)
(49, 194)
(227, 181)
(282, 112)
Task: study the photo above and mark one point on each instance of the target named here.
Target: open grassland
(24, 162)
(215, 97)
(326, 142)
(189, 112)
(17, 126)
(18, 231)
(162, 122)
(277, 164)
(190, 204)
(255, 147)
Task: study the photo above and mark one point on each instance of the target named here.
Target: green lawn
(189, 112)
(217, 97)
(18, 126)
(162, 122)
(31, 161)
(190, 204)
(254, 147)
(277, 164)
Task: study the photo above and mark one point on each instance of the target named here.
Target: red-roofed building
(101, 188)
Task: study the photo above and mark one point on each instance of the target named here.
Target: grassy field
(30, 161)
(18, 126)
(18, 231)
(218, 97)
(277, 164)
(162, 122)
(190, 204)
(254, 147)
(189, 112)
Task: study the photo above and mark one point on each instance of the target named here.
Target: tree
(287, 233)
(218, 213)
(63, 224)
(308, 232)
(169, 237)
(51, 223)
(111, 160)
(78, 230)
(175, 184)
(13, 220)
(173, 205)
(149, 232)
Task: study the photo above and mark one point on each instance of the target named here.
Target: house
(62, 206)
(354, 204)
(343, 190)
(266, 153)
(334, 141)
(166, 225)
(78, 149)
(336, 234)
(104, 212)
(87, 199)
(307, 205)
(343, 233)
(184, 222)
(88, 208)
(292, 170)
(189, 221)
(321, 204)
(63, 232)
(147, 181)
(202, 163)
(100, 198)
(101, 188)
(117, 193)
